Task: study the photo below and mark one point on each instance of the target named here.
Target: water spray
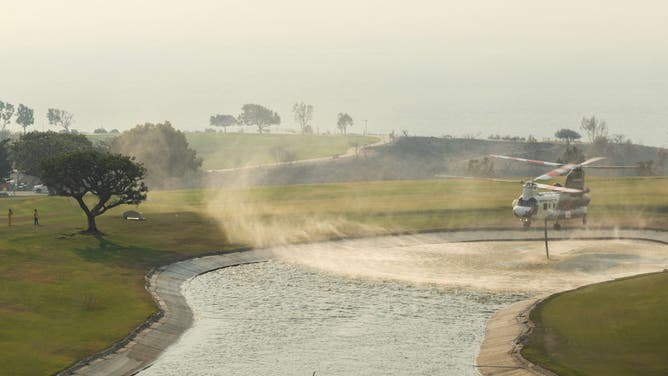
(547, 249)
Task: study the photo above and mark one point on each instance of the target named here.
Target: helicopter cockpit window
(531, 203)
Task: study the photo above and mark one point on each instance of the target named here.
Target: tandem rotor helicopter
(565, 202)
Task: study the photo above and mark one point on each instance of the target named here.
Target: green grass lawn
(228, 150)
(64, 296)
(613, 328)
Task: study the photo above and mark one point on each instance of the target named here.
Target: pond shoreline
(147, 342)
(500, 351)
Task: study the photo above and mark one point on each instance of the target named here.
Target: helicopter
(560, 202)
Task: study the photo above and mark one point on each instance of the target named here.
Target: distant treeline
(255, 115)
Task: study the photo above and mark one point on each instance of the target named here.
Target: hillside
(425, 157)
(405, 158)
(231, 150)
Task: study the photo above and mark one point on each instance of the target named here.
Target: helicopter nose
(522, 211)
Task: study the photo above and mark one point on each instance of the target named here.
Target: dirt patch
(12, 308)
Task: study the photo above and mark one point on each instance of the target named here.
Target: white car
(40, 188)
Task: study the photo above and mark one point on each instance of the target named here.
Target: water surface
(409, 305)
(278, 319)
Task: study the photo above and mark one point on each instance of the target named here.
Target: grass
(64, 296)
(594, 331)
(229, 150)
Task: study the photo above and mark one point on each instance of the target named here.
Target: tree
(571, 155)
(645, 168)
(114, 179)
(34, 147)
(661, 157)
(60, 118)
(481, 168)
(254, 114)
(303, 115)
(222, 120)
(163, 150)
(6, 113)
(343, 122)
(594, 128)
(24, 117)
(5, 160)
(619, 138)
(531, 145)
(568, 135)
(100, 131)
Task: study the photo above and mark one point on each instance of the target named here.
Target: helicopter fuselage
(550, 206)
(559, 202)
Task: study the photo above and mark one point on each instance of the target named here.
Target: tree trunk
(92, 227)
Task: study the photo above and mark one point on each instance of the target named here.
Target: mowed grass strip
(613, 328)
(64, 296)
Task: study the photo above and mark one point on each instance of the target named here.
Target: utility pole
(365, 127)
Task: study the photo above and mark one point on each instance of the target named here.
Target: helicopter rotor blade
(558, 189)
(564, 169)
(538, 185)
(533, 161)
(478, 178)
(611, 167)
(591, 160)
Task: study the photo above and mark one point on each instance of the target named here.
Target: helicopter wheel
(526, 223)
(584, 220)
(557, 226)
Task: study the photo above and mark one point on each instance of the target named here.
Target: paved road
(23, 194)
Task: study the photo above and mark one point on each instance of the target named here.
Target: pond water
(384, 306)
(278, 319)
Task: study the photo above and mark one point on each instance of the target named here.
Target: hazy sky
(429, 67)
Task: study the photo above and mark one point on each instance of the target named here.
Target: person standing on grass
(9, 217)
(36, 217)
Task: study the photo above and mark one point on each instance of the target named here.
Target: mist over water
(388, 305)
(512, 266)
(278, 319)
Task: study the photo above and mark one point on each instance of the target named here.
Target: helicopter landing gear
(557, 226)
(584, 220)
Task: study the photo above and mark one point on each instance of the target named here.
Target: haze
(428, 67)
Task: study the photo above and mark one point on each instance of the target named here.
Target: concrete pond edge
(141, 347)
(506, 331)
